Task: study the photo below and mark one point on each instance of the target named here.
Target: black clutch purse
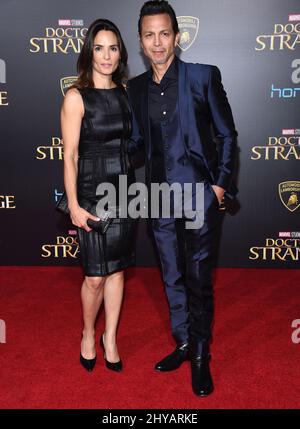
(100, 225)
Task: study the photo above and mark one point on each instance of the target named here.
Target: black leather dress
(105, 128)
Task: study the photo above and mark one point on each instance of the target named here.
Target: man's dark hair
(155, 8)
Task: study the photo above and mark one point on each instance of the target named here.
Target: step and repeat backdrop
(255, 44)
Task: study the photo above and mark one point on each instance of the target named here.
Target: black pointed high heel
(114, 366)
(88, 364)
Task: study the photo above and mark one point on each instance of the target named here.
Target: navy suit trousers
(187, 259)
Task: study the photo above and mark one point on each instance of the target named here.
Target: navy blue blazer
(207, 125)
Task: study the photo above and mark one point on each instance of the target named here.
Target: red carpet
(255, 363)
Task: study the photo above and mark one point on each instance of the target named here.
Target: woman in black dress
(96, 123)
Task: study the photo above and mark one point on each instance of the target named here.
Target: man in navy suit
(180, 112)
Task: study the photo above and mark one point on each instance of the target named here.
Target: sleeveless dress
(103, 156)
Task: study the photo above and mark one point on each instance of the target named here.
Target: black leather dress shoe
(88, 364)
(201, 377)
(175, 359)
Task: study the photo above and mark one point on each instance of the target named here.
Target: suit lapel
(184, 102)
(191, 138)
(144, 94)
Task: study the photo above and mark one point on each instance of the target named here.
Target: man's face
(157, 38)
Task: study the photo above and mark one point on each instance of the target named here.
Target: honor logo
(284, 92)
(295, 78)
(296, 332)
(288, 92)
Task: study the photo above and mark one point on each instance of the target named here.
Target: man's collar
(171, 73)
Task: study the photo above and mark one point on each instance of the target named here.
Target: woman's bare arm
(72, 112)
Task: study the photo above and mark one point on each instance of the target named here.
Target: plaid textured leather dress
(103, 157)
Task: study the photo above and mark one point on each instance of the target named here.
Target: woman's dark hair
(85, 59)
(155, 8)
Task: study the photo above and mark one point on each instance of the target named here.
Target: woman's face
(106, 53)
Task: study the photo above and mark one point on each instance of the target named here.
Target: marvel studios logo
(70, 22)
(291, 132)
(294, 17)
(289, 234)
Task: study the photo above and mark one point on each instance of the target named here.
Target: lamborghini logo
(188, 26)
(66, 82)
(289, 193)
